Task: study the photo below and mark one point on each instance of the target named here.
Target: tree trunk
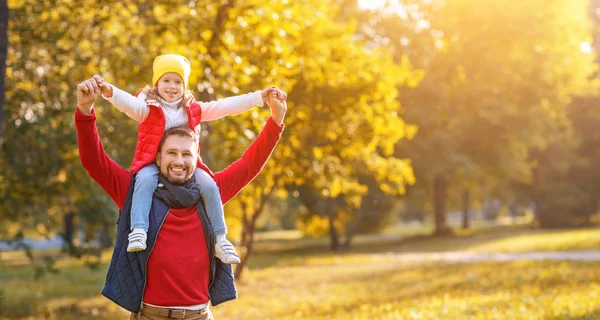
(81, 229)
(333, 234)
(351, 229)
(512, 208)
(247, 243)
(215, 45)
(104, 236)
(466, 200)
(440, 189)
(69, 230)
(3, 52)
(249, 227)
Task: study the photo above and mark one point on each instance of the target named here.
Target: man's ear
(158, 160)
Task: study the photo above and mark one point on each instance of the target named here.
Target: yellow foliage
(317, 153)
(282, 193)
(16, 4)
(315, 226)
(340, 95)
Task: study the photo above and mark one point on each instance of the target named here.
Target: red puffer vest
(151, 131)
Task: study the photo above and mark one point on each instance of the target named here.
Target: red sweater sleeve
(108, 174)
(235, 177)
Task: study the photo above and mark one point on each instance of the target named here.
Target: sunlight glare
(585, 47)
(371, 4)
(386, 6)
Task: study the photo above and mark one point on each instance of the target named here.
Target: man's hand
(278, 108)
(277, 94)
(105, 88)
(87, 93)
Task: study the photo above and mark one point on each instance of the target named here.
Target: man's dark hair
(182, 131)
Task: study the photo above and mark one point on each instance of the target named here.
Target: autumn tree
(3, 49)
(343, 112)
(492, 90)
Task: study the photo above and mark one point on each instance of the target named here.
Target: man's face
(177, 158)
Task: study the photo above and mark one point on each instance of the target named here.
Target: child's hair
(152, 94)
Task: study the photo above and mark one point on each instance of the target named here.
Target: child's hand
(105, 88)
(266, 93)
(280, 95)
(276, 93)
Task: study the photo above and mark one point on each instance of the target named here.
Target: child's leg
(146, 181)
(212, 200)
(209, 190)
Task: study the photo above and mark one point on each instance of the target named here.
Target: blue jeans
(146, 182)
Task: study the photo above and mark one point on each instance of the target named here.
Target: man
(169, 279)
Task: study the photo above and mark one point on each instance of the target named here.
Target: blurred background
(440, 158)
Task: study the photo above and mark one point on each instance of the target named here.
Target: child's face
(170, 87)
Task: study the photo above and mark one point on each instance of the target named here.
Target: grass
(291, 278)
(380, 289)
(292, 250)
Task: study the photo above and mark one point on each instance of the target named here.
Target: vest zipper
(149, 253)
(212, 262)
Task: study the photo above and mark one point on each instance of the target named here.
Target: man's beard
(176, 179)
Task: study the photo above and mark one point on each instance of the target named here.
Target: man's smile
(177, 170)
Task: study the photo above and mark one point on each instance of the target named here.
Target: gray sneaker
(225, 251)
(137, 240)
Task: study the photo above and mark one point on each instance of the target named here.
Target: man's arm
(235, 177)
(109, 175)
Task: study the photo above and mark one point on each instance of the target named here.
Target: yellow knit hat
(171, 63)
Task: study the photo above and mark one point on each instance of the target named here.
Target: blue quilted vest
(126, 277)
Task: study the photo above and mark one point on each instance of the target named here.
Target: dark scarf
(178, 195)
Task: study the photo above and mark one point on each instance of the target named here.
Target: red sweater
(177, 273)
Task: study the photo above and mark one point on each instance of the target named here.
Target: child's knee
(205, 181)
(146, 179)
(210, 188)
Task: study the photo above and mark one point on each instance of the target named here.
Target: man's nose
(179, 159)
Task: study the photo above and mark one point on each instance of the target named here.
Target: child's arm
(136, 108)
(235, 177)
(235, 105)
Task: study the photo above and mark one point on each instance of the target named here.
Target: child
(176, 106)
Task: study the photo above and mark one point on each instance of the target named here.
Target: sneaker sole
(135, 249)
(230, 261)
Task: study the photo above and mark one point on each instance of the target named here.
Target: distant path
(35, 244)
(472, 257)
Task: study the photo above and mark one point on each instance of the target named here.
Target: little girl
(176, 106)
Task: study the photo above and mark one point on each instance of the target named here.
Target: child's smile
(170, 87)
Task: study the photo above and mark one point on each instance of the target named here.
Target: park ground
(294, 278)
